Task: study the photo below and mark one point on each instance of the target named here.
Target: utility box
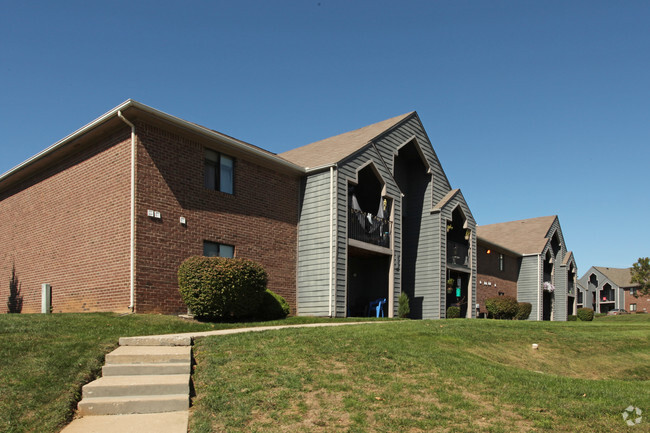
(46, 298)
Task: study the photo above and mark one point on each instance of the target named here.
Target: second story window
(501, 263)
(219, 171)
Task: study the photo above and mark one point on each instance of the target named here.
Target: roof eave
(497, 246)
(162, 115)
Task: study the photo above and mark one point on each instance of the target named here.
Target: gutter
(132, 218)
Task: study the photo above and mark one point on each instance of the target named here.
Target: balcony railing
(457, 253)
(369, 228)
(607, 296)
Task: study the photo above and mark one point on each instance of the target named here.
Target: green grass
(416, 376)
(45, 359)
(454, 375)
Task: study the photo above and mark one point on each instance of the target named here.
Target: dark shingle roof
(337, 148)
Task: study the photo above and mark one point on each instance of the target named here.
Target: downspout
(132, 218)
(332, 231)
(540, 297)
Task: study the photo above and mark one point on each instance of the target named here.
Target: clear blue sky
(534, 107)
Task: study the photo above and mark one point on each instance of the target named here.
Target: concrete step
(133, 404)
(119, 386)
(157, 340)
(170, 422)
(149, 354)
(146, 369)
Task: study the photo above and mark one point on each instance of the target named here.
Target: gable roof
(568, 258)
(335, 149)
(131, 107)
(619, 276)
(523, 236)
(446, 199)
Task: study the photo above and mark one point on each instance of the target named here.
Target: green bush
(403, 309)
(502, 307)
(571, 318)
(585, 314)
(219, 288)
(453, 312)
(273, 306)
(523, 310)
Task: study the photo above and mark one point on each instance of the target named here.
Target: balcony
(607, 296)
(369, 228)
(457, 254)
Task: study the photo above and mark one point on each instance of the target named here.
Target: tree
(641, 275)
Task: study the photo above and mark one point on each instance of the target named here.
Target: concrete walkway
(160, 422)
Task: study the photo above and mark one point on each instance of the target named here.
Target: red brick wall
(490, 280)
(69, 227)
(642, 302)
(260, 219)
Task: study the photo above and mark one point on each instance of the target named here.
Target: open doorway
(368, 282)
(548, 299)
(457, 291)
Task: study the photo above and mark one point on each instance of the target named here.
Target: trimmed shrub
(571, 318)
(523, 310)
(403, 309)
(273, 306)
(218, 288)
(585, 314)
(453, 312)
(502, 307)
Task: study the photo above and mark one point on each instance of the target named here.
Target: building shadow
(15, 301)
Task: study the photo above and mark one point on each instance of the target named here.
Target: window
(501, 262)
(632, 307)
(213, 249)
(219, 170)
(633, 291)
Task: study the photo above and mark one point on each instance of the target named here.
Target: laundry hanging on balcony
(376, 222)
(359, 213)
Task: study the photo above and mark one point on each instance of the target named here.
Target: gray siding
(528, 285)
(313, 246)
(388, 147)
(348, 173)
(430, 257)
(443, 216)
(560, 293)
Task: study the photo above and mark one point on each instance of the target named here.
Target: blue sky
(534, 107)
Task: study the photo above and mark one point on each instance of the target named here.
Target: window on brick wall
(213, 249)
(502, 265)
(633, 291)
(632, 307)
(219, 171)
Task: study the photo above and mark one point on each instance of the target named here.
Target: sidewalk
(183, 339)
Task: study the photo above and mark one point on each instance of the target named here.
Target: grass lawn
(45, 359)
(416, 376)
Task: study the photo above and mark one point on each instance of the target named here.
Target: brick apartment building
(109, 236)
(106, 215)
